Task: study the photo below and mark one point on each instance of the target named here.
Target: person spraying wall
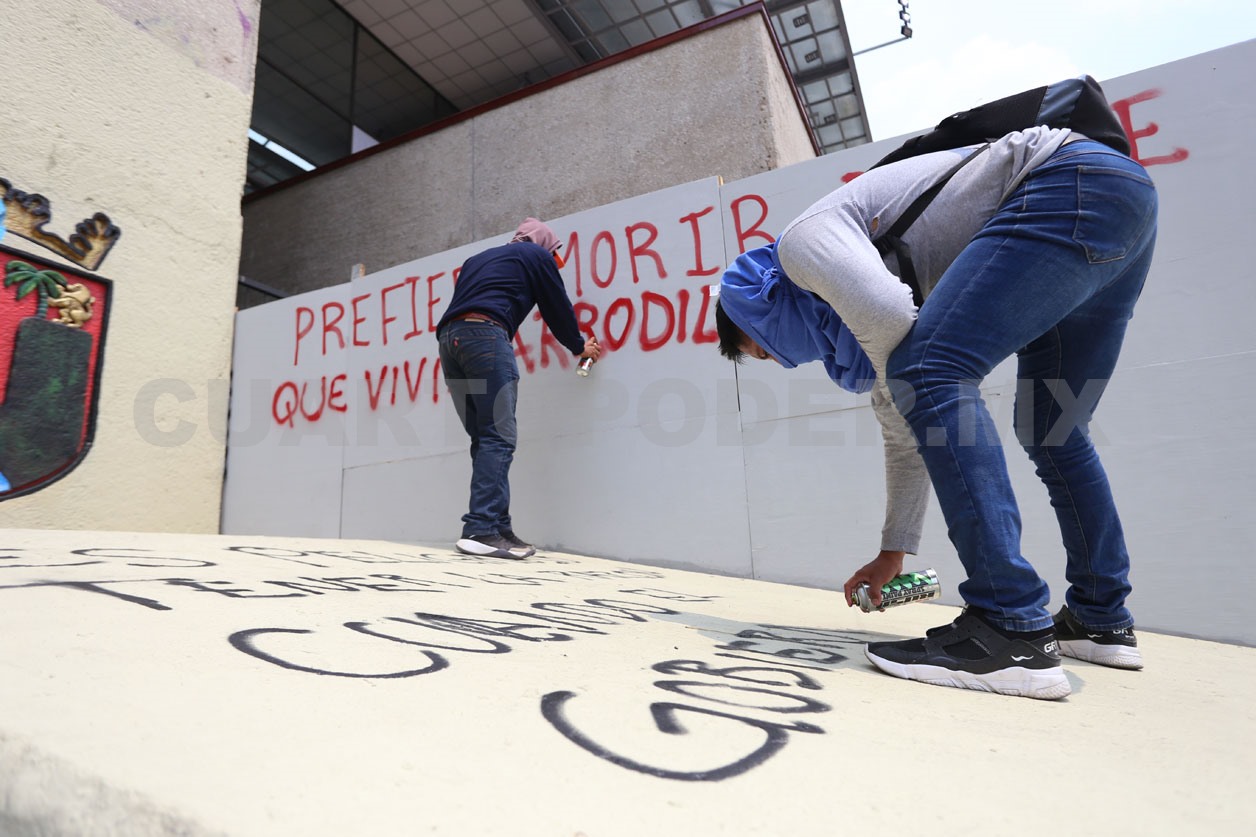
(496, 289)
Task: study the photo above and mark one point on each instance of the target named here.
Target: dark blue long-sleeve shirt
(506, 282)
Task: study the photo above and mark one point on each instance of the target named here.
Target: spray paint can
(900, 590)
(586, 363)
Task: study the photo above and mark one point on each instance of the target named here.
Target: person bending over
(1037, 248)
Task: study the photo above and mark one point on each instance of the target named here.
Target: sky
(966, 52)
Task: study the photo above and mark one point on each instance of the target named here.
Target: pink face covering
(537, 232)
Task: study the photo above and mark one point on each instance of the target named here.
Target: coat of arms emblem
(52, 336)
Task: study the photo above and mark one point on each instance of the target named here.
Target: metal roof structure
(334, 78)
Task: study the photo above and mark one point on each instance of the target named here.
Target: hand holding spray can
(900, 590)
(585, 364)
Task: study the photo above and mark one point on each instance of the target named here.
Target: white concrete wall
(672, 457)
(139, 109)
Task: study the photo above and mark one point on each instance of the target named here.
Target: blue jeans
(478, 363)
(1053, 278)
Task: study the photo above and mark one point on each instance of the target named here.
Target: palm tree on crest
(46, 283)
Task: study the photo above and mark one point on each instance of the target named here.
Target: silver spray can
(583, 367)
(900, 590)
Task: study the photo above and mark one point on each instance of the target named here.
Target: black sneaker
(490, 546)
(1118, 649)
(519, 543)
(971, 654)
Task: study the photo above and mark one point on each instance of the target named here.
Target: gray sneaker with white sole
(491, 546)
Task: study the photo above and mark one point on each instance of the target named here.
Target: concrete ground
(157, 684)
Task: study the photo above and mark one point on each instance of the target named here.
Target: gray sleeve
(879, 311)
(906, 480)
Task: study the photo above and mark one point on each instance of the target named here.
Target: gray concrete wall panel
(381, 210)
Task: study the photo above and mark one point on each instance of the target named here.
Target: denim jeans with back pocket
(479, 367)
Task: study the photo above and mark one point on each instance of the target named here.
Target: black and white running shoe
(1118, 649)
(970, 653)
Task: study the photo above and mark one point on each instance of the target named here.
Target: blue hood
(793, 325)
